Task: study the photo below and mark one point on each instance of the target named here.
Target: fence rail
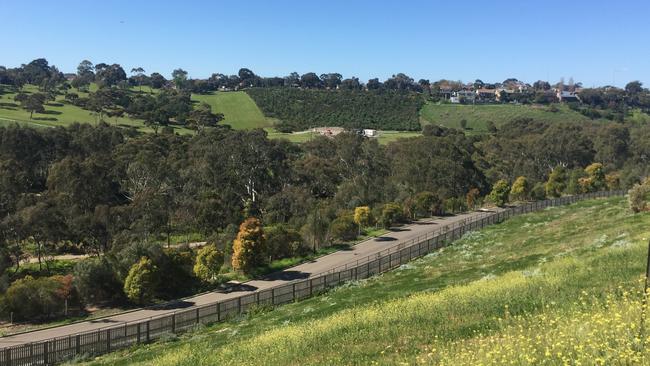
(104, 340)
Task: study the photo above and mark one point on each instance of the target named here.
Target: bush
(538, 192)
(283, 242)
(249, 248)
(140, 284)
(520, 189)
(639, 197)
(36, 298)
(391, 214)
(556, 182)
(343, 228)
(96, 281)
(455, 204)
(499, 194)
(208, 262)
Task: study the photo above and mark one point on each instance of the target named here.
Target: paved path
(390, 240)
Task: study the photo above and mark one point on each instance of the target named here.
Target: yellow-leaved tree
(362, 217)
(249, 248)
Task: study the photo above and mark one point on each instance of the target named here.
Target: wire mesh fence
(104, 340)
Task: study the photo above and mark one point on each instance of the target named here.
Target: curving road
(391, 240)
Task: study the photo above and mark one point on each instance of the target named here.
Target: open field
(239, 109)
(561, 284)
(477, 116)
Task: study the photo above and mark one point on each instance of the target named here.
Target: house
(486, 94)
(503, 94)
(445, 93)
(369, 132)
(567, 96)
(69, 76)
(463, 96)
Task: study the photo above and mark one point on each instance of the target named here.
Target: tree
(472, 198)
(157, 80)
(499, 194)
(344, 228)
(202, 117)
(428, 203)
(140, 283)
(595, 179)
(639, 197)
(138, 72)
(362, 217)
(283, 241)
(208, 262)
(634, 87)
(109, 75)
(391, 214)
(310, 80)
(31, 102)
(179, 76)
(316, 227)
(556, 182)
(249, 248)
(520, 189)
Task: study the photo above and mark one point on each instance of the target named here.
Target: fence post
(198, 316)
(148, 333)
(218, 311)
(293, 291)
(311, 287)
(273, 296)
(78, 344)
(139, 326)
(45, 353)
(8, 356)
(174, 323)
(108, 339)
(239, 305)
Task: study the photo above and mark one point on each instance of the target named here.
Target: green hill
(477, 116)
(560, 285)
(239, 109)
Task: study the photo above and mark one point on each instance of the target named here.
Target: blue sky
(595, 42)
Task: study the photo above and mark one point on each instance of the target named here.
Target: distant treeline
(300, 109)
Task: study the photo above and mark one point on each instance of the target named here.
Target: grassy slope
(477, 116)
(239, 109)
(456, 306)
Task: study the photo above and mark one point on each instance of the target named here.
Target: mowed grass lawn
(240, 111)
(477, 116)
(554, 287)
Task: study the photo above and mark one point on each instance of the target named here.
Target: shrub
(428, 203)
(343, 228)
(208, 262)
(96, 281)
(538, 192)
(639, 197)
(556, 182)
(140, 284)
(455, 204)
(391, 214)
(499, 194)
(520, 189)
(362, 217)
(32, 298)
(283, 242)
(472, 198)
(249, 248)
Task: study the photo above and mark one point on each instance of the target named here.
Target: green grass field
(477, 116)
(561, 285)
(239, 109)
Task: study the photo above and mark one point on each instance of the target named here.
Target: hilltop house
(484, 94)
(463, 96)
(567, 96)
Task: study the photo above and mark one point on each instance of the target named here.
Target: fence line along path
(364, 260)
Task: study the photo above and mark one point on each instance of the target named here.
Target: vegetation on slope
(478, 117)
(239, 110)
(561, 284)
(299, 109)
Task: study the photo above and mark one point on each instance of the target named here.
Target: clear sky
(596, 42)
